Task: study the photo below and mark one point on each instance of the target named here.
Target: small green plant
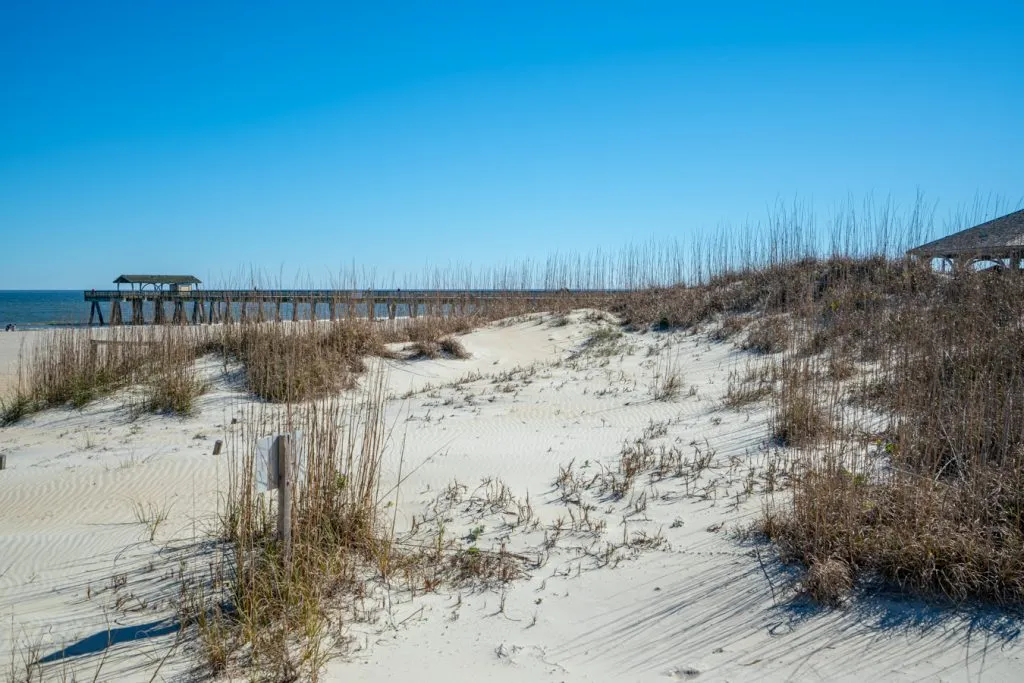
(15, 409)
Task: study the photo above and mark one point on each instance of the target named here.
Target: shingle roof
(158, 279)
(994, 238)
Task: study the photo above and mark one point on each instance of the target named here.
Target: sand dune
(77, 566)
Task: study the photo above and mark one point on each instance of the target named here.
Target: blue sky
(299, 137)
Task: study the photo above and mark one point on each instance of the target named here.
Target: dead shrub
(829, 581)
(453, 348)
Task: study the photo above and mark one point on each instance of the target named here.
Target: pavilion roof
(996, 238)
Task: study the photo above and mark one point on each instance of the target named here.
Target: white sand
(700, 606)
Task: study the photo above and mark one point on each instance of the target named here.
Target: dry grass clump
(432, 328)
(174, 389)
(770, 335)
(802, 415)
(453, 348)
(958, 539)
(293, 363)
(755, 384)
(282, 612)
(829, 581)
(667, 382)
(425, 349)
(604, 341)
(70, 367)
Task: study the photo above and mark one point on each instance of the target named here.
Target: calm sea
(33, 310)
(44, 309)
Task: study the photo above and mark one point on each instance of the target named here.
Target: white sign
(265, 462)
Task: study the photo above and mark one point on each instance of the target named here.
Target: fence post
(284, 495)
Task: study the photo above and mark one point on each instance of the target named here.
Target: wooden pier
(195, 306)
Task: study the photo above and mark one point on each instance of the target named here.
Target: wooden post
(312, 309)
(277, 311)
(3, 461)
(392, 310)
(115, 312)
(217, 446)
(284, 495)
(295, 310)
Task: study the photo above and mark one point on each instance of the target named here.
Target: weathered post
(3, 461)
(284, 495)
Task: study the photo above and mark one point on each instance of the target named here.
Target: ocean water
(46, 309)
(41, 309)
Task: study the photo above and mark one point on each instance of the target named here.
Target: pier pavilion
(1000, 241)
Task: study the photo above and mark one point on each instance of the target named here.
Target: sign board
(265, 461)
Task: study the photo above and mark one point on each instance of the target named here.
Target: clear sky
(201, 137)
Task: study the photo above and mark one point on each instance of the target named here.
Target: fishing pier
(177, 299)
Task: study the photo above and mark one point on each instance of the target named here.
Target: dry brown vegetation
(902, 388)
(282, 362)
(934, 501)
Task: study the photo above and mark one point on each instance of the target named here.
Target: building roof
(158, 280)
(995, 238)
